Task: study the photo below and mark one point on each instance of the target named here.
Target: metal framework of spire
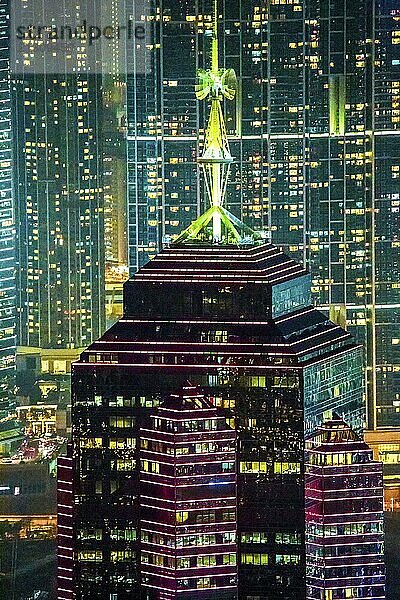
(216, 84)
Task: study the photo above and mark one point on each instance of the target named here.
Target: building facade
(188, 501)
(238, 323)
(59, 192)
(344, 516)
(65, 522)
(28, 521)
(314, 132)
(7, 229)
(385, 445)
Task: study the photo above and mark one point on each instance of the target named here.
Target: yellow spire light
(216, 159)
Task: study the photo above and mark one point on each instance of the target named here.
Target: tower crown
(216, 84)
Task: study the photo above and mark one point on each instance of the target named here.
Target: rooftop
(187, 399)
(334, 436)
(227, 264)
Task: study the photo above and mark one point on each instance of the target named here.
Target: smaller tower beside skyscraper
(188, 501)
(65, 523)
(344, 516)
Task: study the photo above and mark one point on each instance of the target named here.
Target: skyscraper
(344, 516)
(7, 228)
(115, 150)
(314, 132)
(236, 322)
(59, 193)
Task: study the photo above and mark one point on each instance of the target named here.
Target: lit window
(90, 555)
(95, 442)
(284, 468)
(253, 467)
(287, 559)
(254, 558)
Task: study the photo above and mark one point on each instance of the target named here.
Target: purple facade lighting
(188, 501)
(65, 554)
(344, 517)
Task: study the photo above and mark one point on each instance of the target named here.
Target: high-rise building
(314, 132)
(238, 323)
(115, 186)
(7, 227)
(344, 516)
(59, 191)
(188, 512)
(115, 150)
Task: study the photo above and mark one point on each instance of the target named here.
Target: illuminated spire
(216, 84)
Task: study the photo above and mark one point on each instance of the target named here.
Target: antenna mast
(216, 84)
(216, 159)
